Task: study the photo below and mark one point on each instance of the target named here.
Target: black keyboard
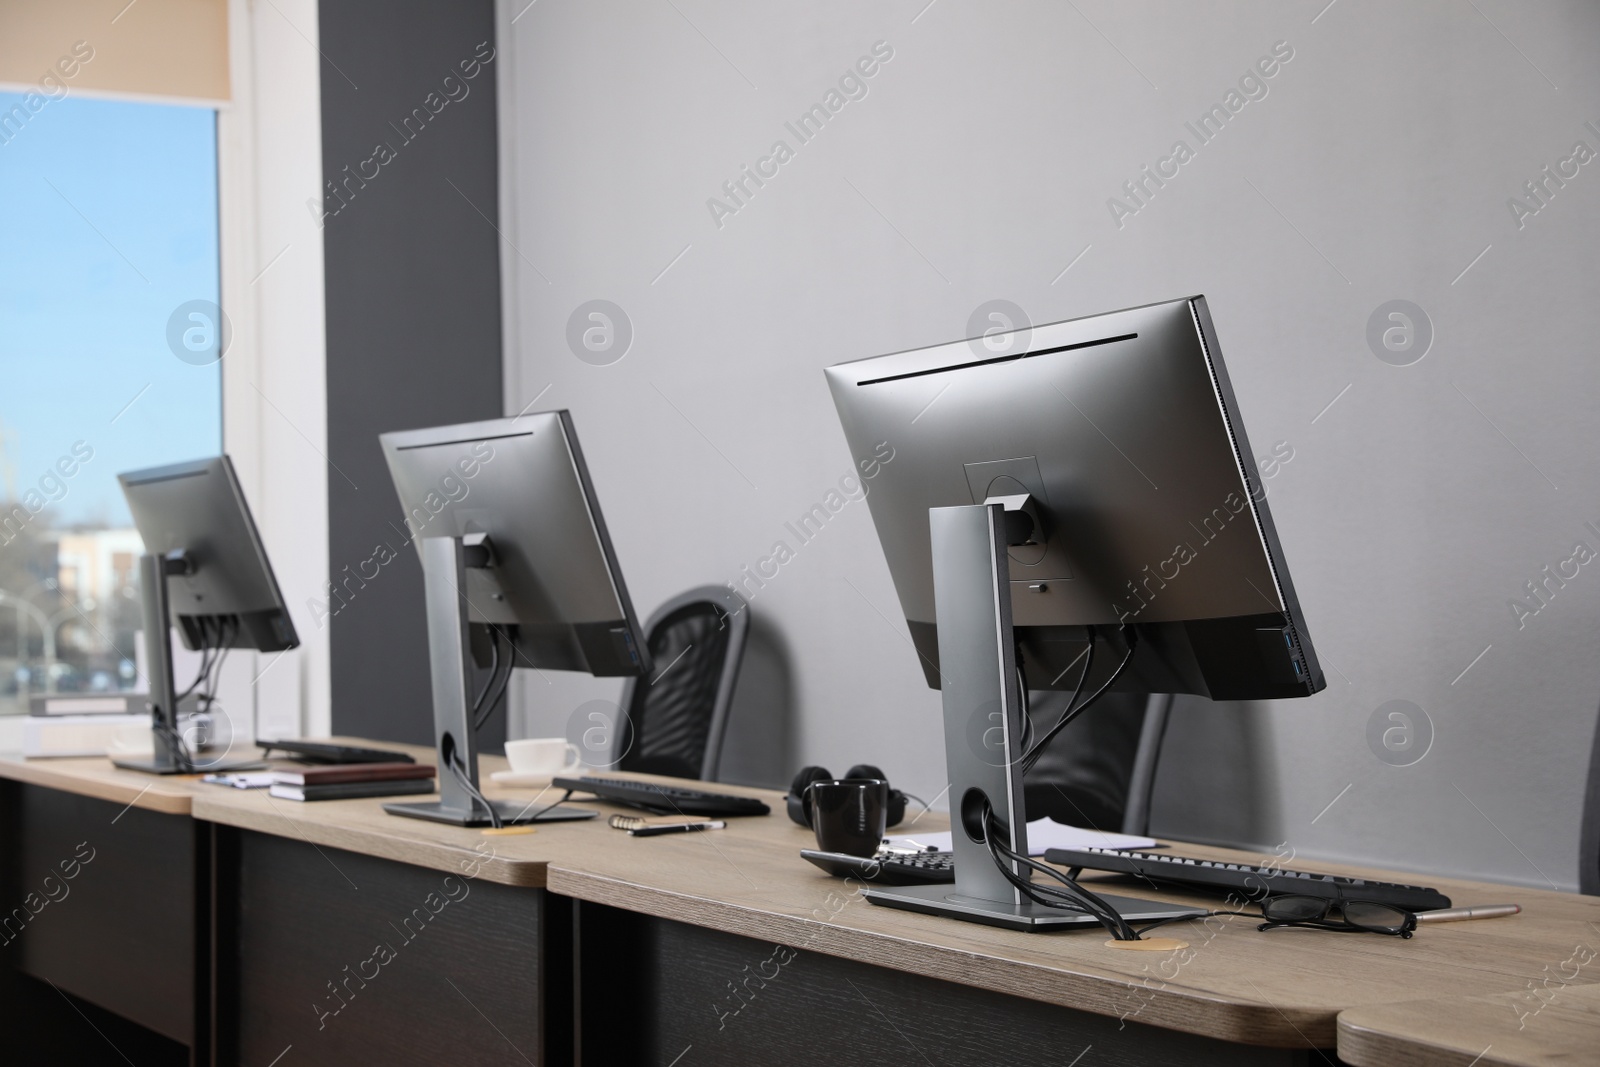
(1253, 882)
(664, 799)
(888, 868)
(327, 752)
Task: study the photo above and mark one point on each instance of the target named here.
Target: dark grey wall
(413, 315)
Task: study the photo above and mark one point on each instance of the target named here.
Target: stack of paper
(1042, 834)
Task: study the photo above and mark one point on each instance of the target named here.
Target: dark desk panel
(653, 990)
(109, 903)
(347, 959)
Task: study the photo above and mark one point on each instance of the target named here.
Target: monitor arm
(154, 571)
(983, 723)
(1023, 523)
(444, 576)
(168, 755)
(445, 562)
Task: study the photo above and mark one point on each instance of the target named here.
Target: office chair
(1146, 759)
(1589, 839)
(674, 722)
(1100, 773)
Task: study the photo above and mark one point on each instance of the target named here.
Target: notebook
(351, 790)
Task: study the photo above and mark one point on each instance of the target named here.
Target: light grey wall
(979, 165)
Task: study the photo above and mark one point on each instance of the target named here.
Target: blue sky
(83, 314)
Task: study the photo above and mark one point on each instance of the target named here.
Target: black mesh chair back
(1100, 772)
(1589, 831)
(674, 722)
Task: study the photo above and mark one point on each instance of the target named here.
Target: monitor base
(157, 766)
(511, 813)
(944, 900)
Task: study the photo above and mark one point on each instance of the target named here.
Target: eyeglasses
(1355, 916)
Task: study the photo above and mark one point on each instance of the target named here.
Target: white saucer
(521, 779)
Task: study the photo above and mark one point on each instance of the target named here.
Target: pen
(1480, 911)
(677, 828)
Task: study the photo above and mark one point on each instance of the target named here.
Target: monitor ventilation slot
(1000, 359)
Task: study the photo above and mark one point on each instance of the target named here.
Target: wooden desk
(355, 936)
(129, 932)
(98, 778)
(727, 943)
(1283, 989)
(1558, 1025)
(363, 826)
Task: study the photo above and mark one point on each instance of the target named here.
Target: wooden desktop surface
(1283, 988)
(96, 777)
(1557, 1025)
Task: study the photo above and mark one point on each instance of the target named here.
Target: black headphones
(800, 810)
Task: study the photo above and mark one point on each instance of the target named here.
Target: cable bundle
(496, 683)
(206, 679)
(1032, 753)
(1069, 895)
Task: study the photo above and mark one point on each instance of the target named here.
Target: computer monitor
(1123, 431)
(205, 571)
(1102, 463)
(518, 571)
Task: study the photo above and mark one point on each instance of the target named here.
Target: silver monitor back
(1124, 430)
(204, 570)
(555, 583)
(229, 596)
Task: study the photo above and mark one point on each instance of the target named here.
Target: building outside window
(109, 334)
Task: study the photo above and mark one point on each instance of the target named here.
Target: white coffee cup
(543, 755)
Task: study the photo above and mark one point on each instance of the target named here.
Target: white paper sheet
(1042, 834)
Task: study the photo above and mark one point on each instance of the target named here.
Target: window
(109, 334)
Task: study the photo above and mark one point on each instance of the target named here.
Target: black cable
(494, 689)
(553, 804)
(450, 756)
(218, 645)
(1030, 751)
(493, 812)
(1027, 709)
(208, 695)
(494, 672)
(1069, 895)
(1032, 756)
(1071, 898)
(1145, 926)
(465, 780)
(210, 664)
(179, 747)
(1052, 897)
(499, 692)
(488, 697)
(205, 664)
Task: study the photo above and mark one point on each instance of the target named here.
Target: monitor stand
(167, 756)
(982, 730)
(162, 763)
(444, 577)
